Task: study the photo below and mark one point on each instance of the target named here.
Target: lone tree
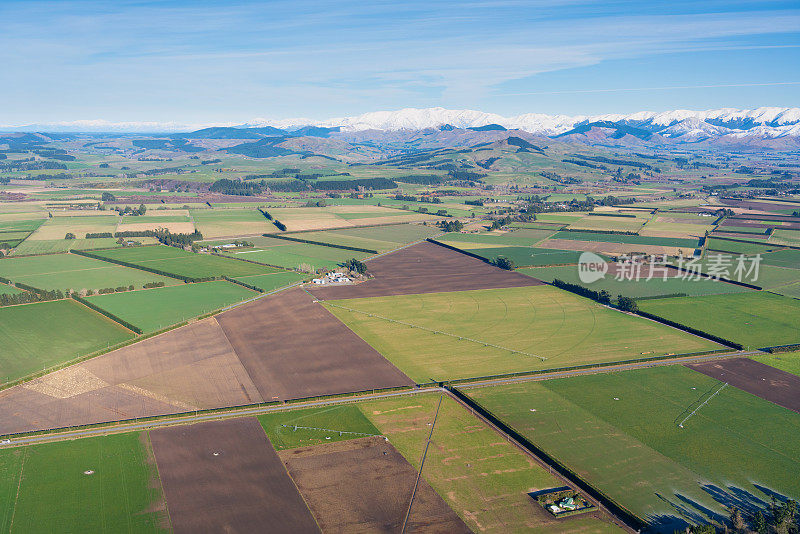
(503, 263)
(627, 304)
(69, 235)
(107, 197)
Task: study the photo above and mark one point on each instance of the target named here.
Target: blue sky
(205, 61)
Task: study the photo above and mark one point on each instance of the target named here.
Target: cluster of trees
(30, 296)
(315, 204)
(31, 166)
(503, 263)
(450, 226)
(602, 296)
(411, 198)
(107, 197)
(478, 202)
(45, 177)
(141, 210)
(778, 518)
(120, 289)
(252, 188)
(166, 237)
(356, 266)
(279, 225)
(499, 223)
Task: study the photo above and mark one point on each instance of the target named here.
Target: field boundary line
(461, 338)
(422, 465)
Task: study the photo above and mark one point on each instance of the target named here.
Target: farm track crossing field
(619, 431)
(528, 256)
(71, 271)
(99, 484)
(425, 268)
(43, 334)
(225, 476)
(484, 478)
(636, 288)
(292, 347)
(754, 319)
(540, 321)
(179, 262)
(154, 309)
(365, 485)
(772, 384)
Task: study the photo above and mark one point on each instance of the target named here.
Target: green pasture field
(230, 222)
(6, 289)
(43, 334)
(71, 271)
(54, 246)
(776, 278)
(8, 236)
(628, 224)
(481, 476)
(542, 321)
(270, 282)
(676, 230)
(179, 262)
(538, 225)
(742, 230)
(782, 258)
(624, 238)
(379, 238)
(755, 318)
(314, 426)
(790, 237)
(157, 308)
(291, 254)
(738, 247)
(57, 227)
(23, 225)
(560, 217)
(525, 237)
(630, 447)
(529, 256)
(45, 488)
(635, 288)
(785, 361)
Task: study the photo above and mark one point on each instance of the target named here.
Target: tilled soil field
(365, 485)
(754, 377)
(224, 476)
(426, 268)
(292, 347)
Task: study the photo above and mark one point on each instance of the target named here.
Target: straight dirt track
(365, 485)
(292, 347)
(754, 377)
(426, 268)
(224, 476)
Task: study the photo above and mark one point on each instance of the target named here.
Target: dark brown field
(426, 268)
(754, 377)
(224, 476)
(365, 485)
(292, 347)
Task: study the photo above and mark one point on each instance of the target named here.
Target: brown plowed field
(292, 347)
(224, 476)
(754, 377)
(190, 368)
(365, 485)
(426, 268)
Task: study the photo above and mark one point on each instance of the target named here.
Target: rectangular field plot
(154, 309)
(627, 239)
(527, 256)
(365, 485)
(39, 335)
(475, 333)
(753, 319)
(316, 426)
(480, 475)
(343, 217)
(785, 361)
(54, 246)
(270, 282)
(70, 271)
(524, 237)
(179, 262)
(379, 238)
(620, 224)
(225, 476)
(619, 431)
(230, 222)
(636, 288)
(80, 225)
(100, 484)
(291, 255)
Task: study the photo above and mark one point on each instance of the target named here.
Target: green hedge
(108, 314)
(783, 348)
(243, 284)
(187, 279)
(690, 329)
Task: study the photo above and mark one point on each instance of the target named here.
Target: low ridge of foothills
(446, 329)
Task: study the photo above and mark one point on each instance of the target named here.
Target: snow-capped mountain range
(679, 125)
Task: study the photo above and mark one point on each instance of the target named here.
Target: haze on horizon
(207, 62)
